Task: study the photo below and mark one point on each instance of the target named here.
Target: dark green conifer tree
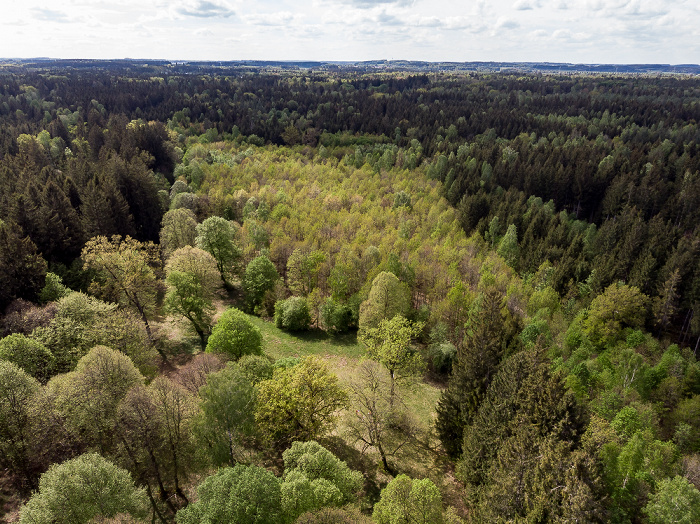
(524, 449)
(490, 334)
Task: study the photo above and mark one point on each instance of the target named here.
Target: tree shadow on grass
(318, 335)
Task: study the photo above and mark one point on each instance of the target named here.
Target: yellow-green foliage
(322, 204)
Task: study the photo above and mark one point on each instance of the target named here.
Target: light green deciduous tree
(241, 494)
(83, 489)
(619, 306)
(299, 403)
(292, 314)
(408, 501)
(302, 271)
(234, 336)
(177, 230)
(387, 298)
(676, 501)
(314, 478)
(17, 389)
(390, 345)
(260, 278)
(192, 282)
(29, 354)
(88, 397)
(125, 269)
(227, 416)
(217, 236)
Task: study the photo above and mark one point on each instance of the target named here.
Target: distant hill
(186, 66)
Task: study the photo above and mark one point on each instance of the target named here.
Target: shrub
(441, 356)
(292, 314)
(29, 354)
(336, 317)
(256, 368)
(235, 336)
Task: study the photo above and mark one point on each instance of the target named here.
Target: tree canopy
(405, 500)
(234, 336)
(387, 298)
(242, 494)
(299, 403)
(83, 489)
(217, 236)
(126, 275)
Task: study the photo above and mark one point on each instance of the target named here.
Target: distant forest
(528, 244)
(619, 155)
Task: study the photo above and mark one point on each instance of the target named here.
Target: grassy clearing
(281, 344)
(418, 458)
(344, 353)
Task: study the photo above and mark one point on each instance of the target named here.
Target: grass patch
(343, 355)
(281, 344)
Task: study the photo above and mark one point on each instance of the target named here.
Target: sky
(575, 31)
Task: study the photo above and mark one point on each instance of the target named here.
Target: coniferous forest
(259, 294)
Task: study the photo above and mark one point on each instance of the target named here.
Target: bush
(292, 314)
(29, 354)
(256, 368)
(441, 356)
(336, 317)
(285, 363)
(235, 336)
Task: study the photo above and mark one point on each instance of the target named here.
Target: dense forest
(279, 295)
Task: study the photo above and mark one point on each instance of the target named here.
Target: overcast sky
(579, 31)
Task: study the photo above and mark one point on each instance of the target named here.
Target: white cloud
(506, 23)
(450, 23)
(430, 21)
(385, 18)
(566, 34)
(644, 9)
(368, 4)
(280, 18)
(525, 5)
(49, 15)
(204, 9)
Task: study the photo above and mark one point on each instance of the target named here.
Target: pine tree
(489, 335)
(524, 449)
(666, 303)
